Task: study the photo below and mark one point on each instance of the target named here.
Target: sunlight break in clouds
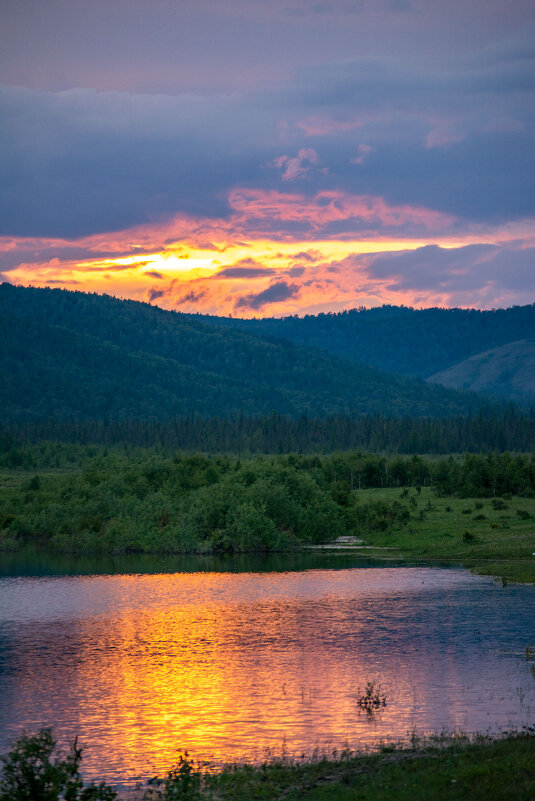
(380, 138)
(281, 253)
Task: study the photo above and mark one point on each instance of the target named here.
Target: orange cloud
(275, 253)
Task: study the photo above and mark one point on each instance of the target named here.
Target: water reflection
(228, 665)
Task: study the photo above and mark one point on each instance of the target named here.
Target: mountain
(412, 342)
(72, 355)
(504, 372)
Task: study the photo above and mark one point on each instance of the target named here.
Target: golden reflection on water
(231, 667)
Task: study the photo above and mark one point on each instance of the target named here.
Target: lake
(239, 659)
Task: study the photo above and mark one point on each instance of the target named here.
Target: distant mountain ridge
(504, 372)
(398, 339)
(72, 355)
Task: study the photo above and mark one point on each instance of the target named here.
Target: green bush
(182, 783)
(35, 771)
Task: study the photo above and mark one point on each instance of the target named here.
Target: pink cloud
(255, 205)
(297, 167)
(364, 152)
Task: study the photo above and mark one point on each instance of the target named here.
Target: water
(235, 665)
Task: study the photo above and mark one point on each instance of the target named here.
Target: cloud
(276, 293)
(363, 154)
(13, 253)
(299, 166)
(153, 274)
(81, 162)
(330, 213)
(244, 272)
(318, 125)
(193, 296)
(244, 268)
(155, 294)
(464, 274)
(307, 255)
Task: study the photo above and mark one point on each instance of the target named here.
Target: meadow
(492, 536)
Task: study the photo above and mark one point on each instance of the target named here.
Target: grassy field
(492, 536)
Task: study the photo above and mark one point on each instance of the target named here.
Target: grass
(442, 768)
(474, 532)
(453, 770)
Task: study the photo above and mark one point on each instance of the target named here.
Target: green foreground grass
(450, 768)
(481, 771)
(490, 536)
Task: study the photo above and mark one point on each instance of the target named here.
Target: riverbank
(443, 768)
(449, 770)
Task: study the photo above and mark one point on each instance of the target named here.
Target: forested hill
(68, 355)
(504, 372)
(399, 339)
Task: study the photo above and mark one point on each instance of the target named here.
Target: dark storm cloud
(277, 292)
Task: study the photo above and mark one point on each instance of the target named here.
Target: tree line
(480, 433)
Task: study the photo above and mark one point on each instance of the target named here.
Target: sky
(270, 157)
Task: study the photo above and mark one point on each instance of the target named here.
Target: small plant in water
(371, 698)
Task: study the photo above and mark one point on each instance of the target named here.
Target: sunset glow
(290, 170)
(232, 267)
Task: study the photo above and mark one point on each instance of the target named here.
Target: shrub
(182, 783)
(499, 504)
(34, 771)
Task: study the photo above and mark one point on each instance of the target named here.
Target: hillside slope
(504, 372)
(75, 355)
(398, 339)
